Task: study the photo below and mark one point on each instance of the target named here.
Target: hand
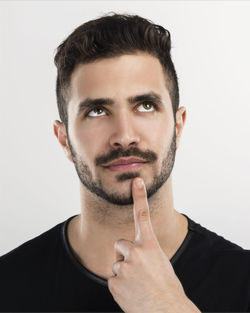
(144, 279)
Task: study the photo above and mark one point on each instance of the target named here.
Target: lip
(126, 167)
(125, 161)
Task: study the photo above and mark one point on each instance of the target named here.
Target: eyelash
(101, 107)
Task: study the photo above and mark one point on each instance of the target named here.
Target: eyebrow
(92, 103)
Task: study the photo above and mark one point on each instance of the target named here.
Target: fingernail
(139, 183)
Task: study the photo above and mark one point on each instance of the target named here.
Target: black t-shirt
(43, 274)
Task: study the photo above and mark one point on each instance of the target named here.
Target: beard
(96, 186)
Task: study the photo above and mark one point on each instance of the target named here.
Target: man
(129, 249)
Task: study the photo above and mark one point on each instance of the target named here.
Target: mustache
(147, 156)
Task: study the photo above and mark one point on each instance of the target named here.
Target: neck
(93, 233)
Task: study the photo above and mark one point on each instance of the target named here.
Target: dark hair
(109, 36)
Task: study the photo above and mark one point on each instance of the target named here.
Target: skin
(106, 197)
(134, 286)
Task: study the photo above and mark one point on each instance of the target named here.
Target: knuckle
(117, 242)
(144, 213)
(115, 267)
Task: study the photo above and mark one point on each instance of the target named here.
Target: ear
(180, 121)
(61, 135)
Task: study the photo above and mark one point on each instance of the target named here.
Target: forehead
(118, 77)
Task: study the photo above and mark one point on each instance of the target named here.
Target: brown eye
(95, 110)
(147, 106)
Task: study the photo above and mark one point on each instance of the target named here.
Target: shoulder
(217, 251)
(208, 247)
(27, 271)
(33, 254)
(212, 262)
(205, 238)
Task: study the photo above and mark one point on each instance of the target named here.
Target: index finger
(143, 226)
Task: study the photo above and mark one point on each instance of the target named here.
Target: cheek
(85, 140)
(159, 131)
(160, 137)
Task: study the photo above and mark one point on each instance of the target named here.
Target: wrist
(188, 307)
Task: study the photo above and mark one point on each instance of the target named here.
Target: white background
(211, 52)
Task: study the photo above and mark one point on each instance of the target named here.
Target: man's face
(133, 118)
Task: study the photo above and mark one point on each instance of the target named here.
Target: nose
(124, 134)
